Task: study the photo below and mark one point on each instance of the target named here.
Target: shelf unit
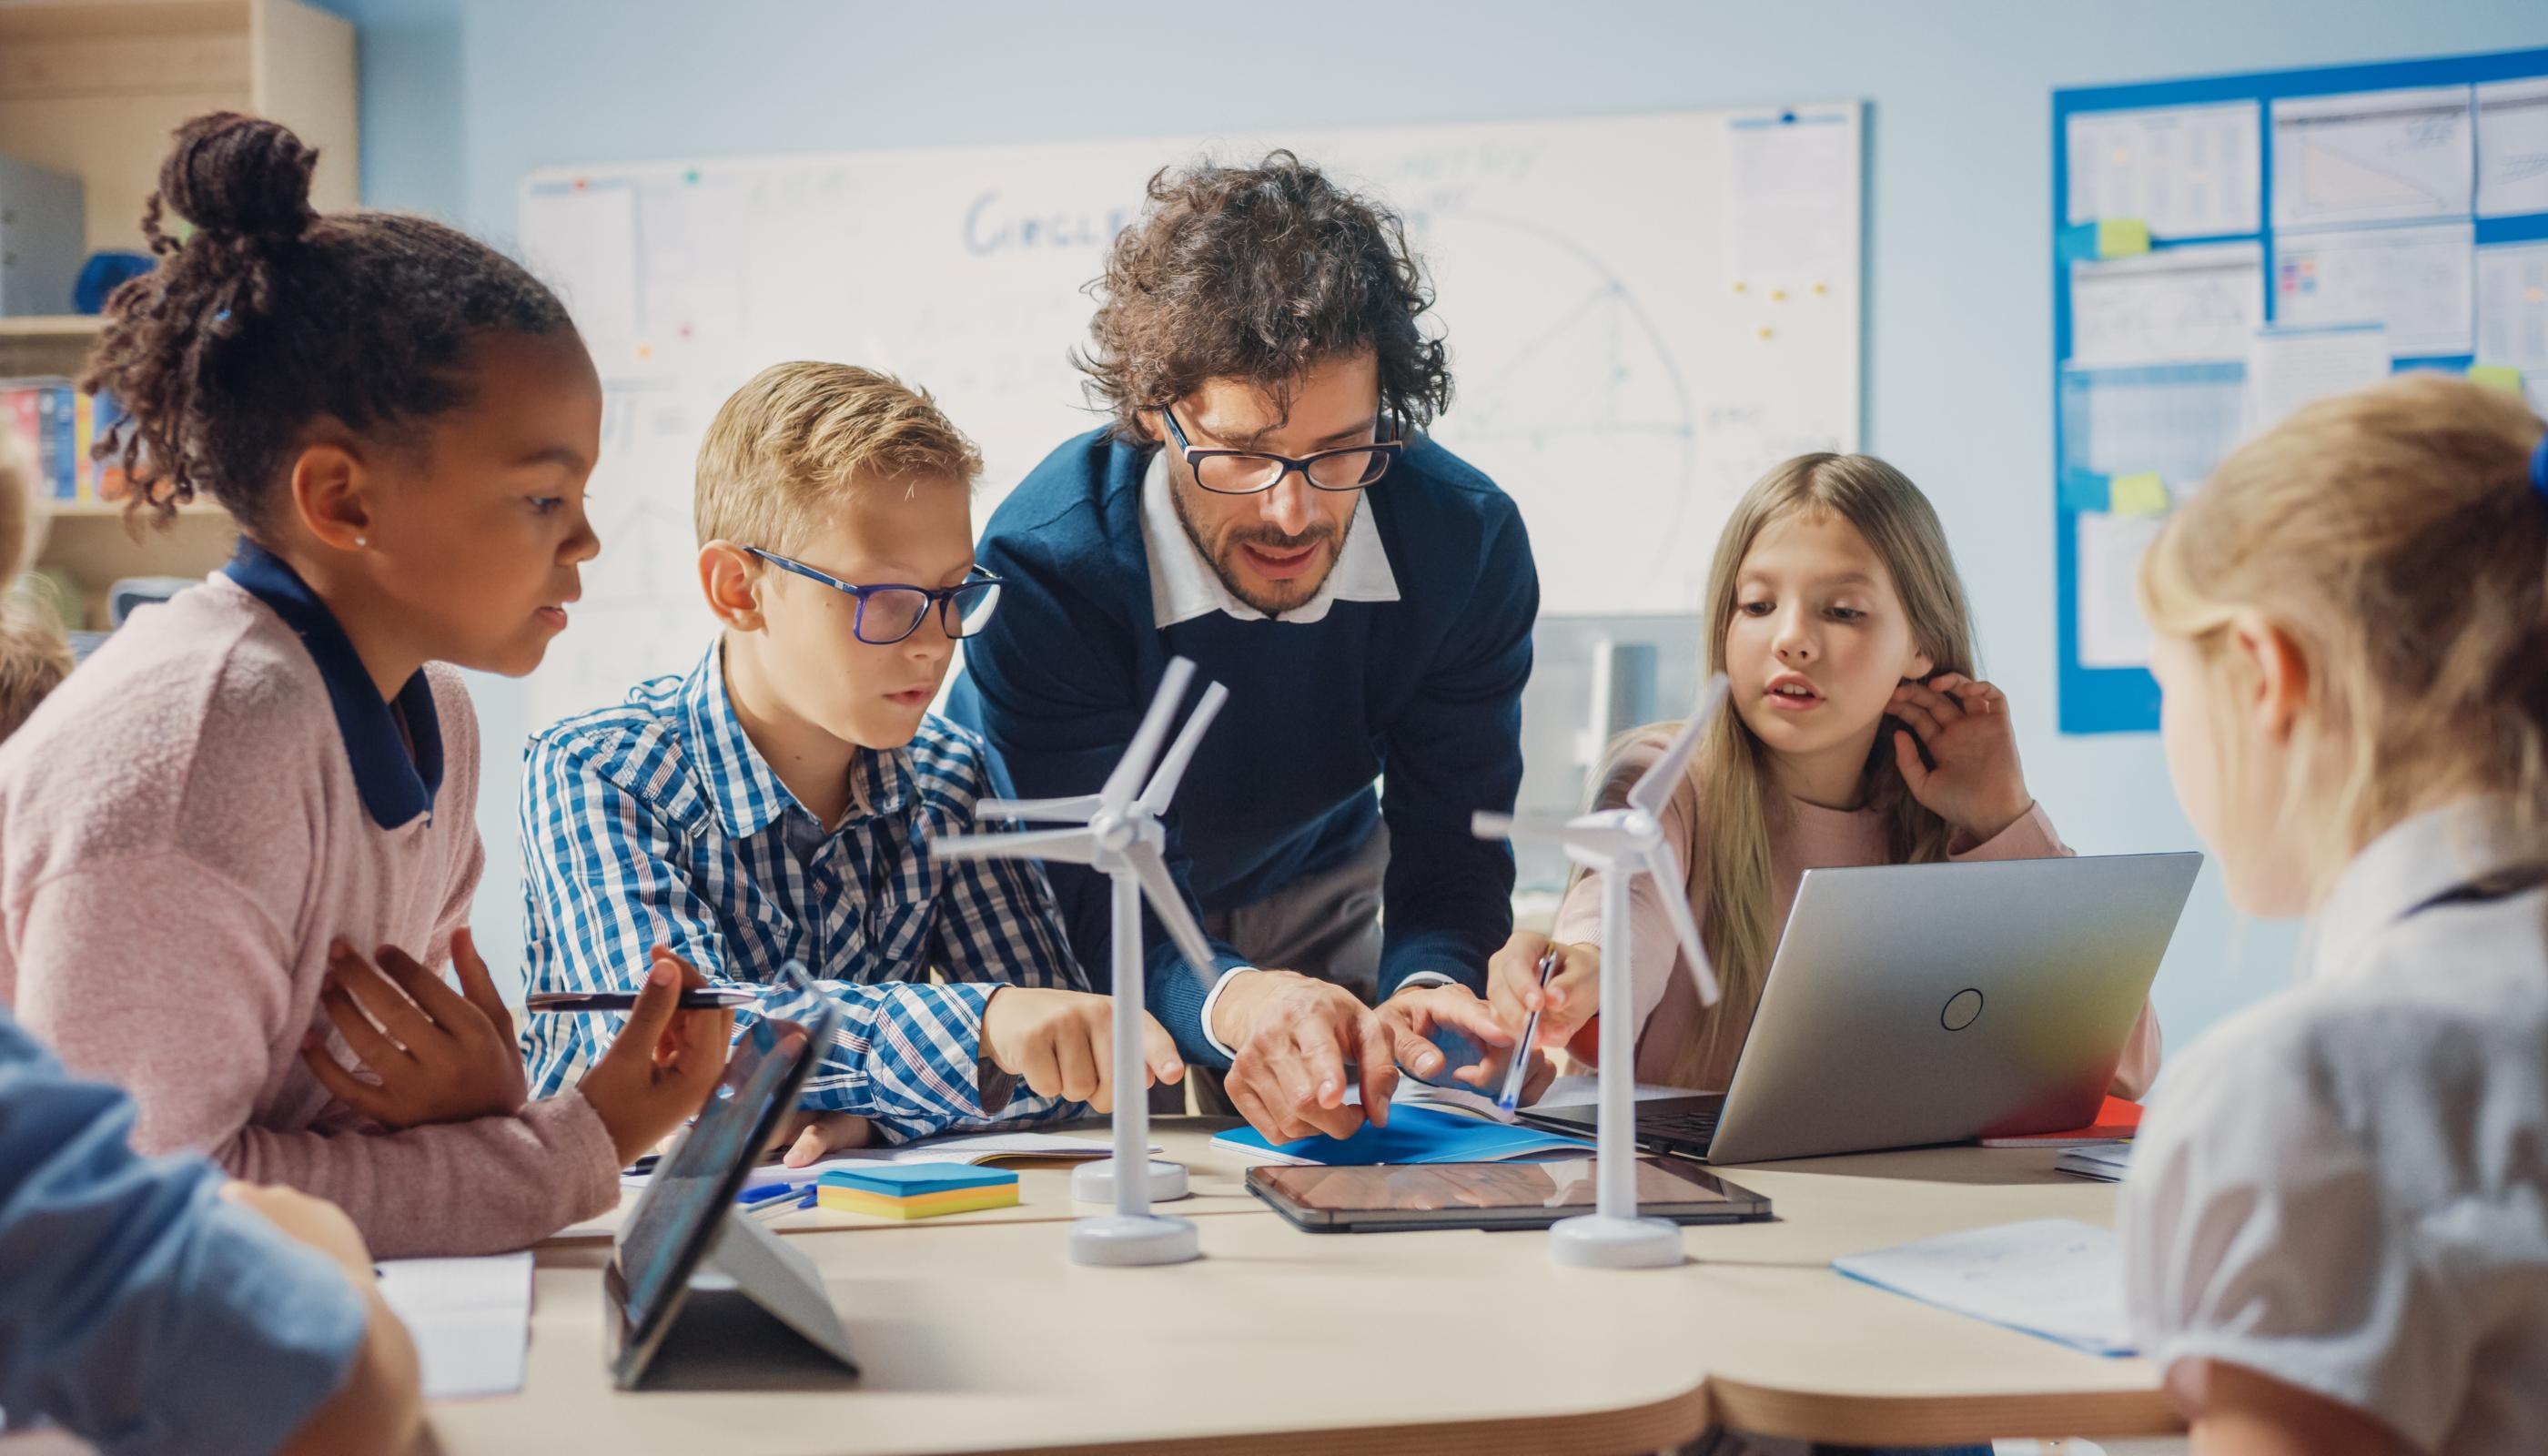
(94, 87)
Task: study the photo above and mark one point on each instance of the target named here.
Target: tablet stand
(755, 1310)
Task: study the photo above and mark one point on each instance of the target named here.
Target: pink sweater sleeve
(204, 1036)
(2032, 838)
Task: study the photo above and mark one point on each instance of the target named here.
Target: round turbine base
(1122, 1239)
(1095, 1182)
(1591, 1241)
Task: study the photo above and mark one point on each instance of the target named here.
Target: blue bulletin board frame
(2110, 699)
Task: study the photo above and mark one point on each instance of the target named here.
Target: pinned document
(2187, 171)
(2290, 367)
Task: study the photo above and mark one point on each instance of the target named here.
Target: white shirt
(2345, 1186)
(1183, 585)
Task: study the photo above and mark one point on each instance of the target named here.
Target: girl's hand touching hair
(1970, 779)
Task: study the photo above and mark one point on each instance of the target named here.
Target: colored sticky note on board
(2137, 494)
(2121, 238)
(2084, 490)
(2496, 376)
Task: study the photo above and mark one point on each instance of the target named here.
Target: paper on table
(2103, 1161)
(2373, 156)
(2511, 147)
(1791, 195)
(2176, 306)
(2416, 281)
(979, 1148)
(2290, 367)
(2188, 171)
(2513, 305)
(470, 1319)
(2056, 1278)
(2111, 631)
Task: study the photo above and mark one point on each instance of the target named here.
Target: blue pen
(764, 1193)
(1511, 1097)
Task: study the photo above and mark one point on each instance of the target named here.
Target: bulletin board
(2227, 249)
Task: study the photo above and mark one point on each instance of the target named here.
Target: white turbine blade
(1160, 888)
(1610, 841)
(1076, 809)
(1164, 784)
(1674, 891)
(1134, 766)
(1651, 791)
(1077, 845)
(1486, 825)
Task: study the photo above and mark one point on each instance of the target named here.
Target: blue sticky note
(2084, 490)
(1414, 1135)
(906, 1180)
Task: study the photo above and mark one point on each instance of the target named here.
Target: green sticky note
(2137, 494)
(2120, 238)
(2496, 376)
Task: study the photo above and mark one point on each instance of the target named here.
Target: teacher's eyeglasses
(1248, 472)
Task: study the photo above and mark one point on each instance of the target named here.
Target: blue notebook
(1414, 1135)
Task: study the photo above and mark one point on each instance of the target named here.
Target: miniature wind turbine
(1620, 844)
(1121, 837)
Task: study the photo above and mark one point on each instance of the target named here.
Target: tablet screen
(1517, 1194)
(674, 1221)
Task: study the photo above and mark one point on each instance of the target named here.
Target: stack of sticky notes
(916, 1190)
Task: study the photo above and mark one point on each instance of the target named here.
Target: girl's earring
(362, 540)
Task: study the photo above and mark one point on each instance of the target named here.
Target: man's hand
(1295, 1038)
(440, 1056)
(1420, 1018)
(1063, 1044)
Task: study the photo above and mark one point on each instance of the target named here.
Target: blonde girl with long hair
(2336, 1227)
(1858, 735)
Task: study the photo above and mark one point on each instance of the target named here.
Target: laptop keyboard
(1680, 1125)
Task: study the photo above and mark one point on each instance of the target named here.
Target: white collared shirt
(2344, 1187)
(1184, 585)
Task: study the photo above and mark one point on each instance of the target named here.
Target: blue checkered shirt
(657, 822)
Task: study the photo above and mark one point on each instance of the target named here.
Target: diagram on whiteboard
(1614, 368)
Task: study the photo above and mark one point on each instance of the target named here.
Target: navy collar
(396, 785)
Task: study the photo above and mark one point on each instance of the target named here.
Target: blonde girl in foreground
(2336, 1227)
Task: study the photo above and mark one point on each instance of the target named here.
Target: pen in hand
(1511, 1097)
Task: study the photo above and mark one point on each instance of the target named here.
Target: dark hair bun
(239, 175)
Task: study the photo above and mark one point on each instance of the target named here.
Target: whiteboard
(1643, 313)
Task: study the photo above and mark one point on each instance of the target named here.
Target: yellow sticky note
(2137, 495)
(2499, 376)
(2120, 238)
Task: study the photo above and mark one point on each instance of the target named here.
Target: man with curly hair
(1265, 502)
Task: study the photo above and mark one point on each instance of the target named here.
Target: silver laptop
(1912, 1004)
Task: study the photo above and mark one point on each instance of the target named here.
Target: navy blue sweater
(1426, 691)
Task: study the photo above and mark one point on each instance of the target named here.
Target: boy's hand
(1063, 1042)
(440, 1056)
(663, 1065)
(1975, 784)
(808, 1137)
(1572, 997)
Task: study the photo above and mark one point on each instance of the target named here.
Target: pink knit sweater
(1809, 838)
(181, 834)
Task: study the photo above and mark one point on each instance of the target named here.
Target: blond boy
(776, 802)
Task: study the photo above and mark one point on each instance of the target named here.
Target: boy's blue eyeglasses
(890, 611)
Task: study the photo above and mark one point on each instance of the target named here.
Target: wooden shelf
(119, 20)
(79, 327)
